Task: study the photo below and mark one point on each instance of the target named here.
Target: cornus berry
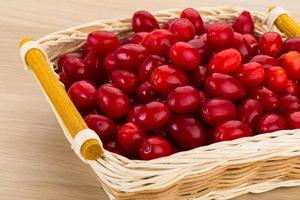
(182, 29)
(244, 23)
(143, 21)
(103, 42)
(193, 16)
(220, 36)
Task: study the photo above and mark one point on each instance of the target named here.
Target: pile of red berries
(183, 84)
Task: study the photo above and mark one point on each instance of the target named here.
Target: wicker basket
(219, 171)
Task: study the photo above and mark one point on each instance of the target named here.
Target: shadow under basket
(219, 171)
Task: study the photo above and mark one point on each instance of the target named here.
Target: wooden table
(36, 161)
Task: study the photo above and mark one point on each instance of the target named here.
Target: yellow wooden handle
(287, 24)
(91, 149)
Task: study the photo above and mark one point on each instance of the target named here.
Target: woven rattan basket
(219, 171)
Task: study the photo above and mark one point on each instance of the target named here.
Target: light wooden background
(36, 161)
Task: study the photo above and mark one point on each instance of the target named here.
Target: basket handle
(90, 149)
(283, 21)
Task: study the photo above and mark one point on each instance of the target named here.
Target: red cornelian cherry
(103, 42)
(252, 42)
(145, 93)
(151, 62)
(292, 88)
(291, 44)
(185, 56)
(231, 130)
(124, 80)
(226, 61)
(64, 57)
(182, 29)
(265, 60)
(112, 101)
(250, 74)
(165, 78)
(276, 79)
(202, 46)
(159, 42)
(217, 110)
(65, 80)
(132, 114)
(225, 86)
(244, 23)
(95, 64)
(293, 119)
(83, 95)
(113, 146)
(152, 115)
(143, 21)
(110, 63)
(271, 122)
(184, 99)
(241, 44)
(198, 76)
(250, 111)
(136, 38)
(168, 23)
(289, 102)
(270, 43)
(266, 97)
(291, 63)
(86, 48)
(193, 16)
(186, 132)
(76, 70)
(130, 56)
(155, 147)
(103, 126)
(220, 36)
(130, 137)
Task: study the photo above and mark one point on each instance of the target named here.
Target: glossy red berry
(193, 16)
(225, 86)
(276, 79)
(250, 111)
(288, 103)
(168, 23)
(271, 122)
(95, 65)
(266, 97)
(292, 88)
(202, 46)
(216, 111)
(265, 60)
(198, 76)
(252, 42)
(250, 74)
(151, 62)
(112, 101)
(220, 36)
(76, 70)
(291, 44)
(241, 44)
(110, 63)
(159, 42)
(130, 56)
(184, 99)
(65, 80)
(124, 80)
(113, 146)
(182, 29)
(64, 57)
(185, 56)
(152, 115)
(143, 21)
(186, 132)
(270, 43)
(103, 42)
(103, 126)
(136, 38)
(132, 114)
(293, 119)
(87, 48)
(244, 23)
(165, 78)
(291, 63)
(145, 93)
(83, 95)
(155, 147)
(226, 61)
(231, 130)
(130, 137)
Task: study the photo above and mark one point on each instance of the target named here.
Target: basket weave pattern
(218, 171)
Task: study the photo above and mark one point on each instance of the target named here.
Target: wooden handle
(91, 149)
(287, 24)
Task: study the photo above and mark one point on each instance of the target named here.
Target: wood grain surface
(36, 161)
